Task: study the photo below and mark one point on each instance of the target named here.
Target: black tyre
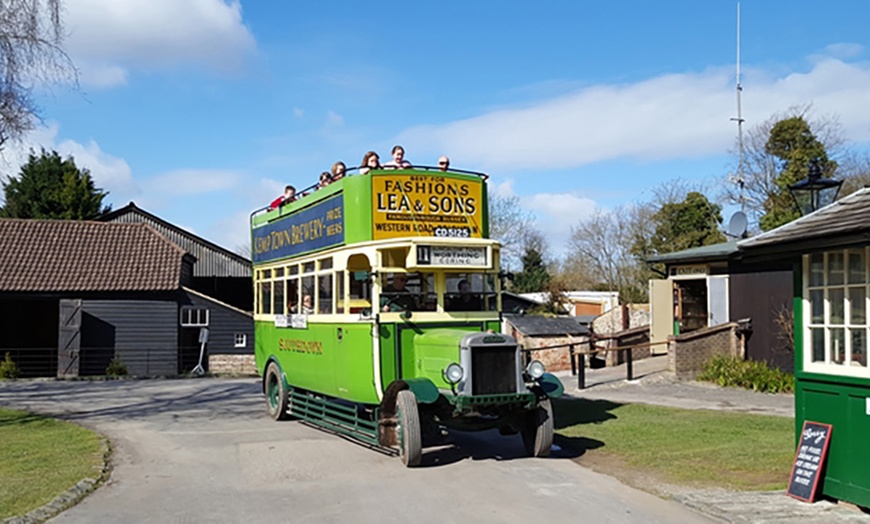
(276, 393)
(538, 430)
(410, 439)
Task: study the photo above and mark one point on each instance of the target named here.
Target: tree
(794, 146)
(762, 190)
(51, 187)
(510, 225)
(603, 246)
(31, 34)
(694, 222)
(535, 276)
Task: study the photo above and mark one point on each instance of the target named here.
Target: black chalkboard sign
(809, 460)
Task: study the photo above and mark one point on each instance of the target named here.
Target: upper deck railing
(421, 201)
(355, 171)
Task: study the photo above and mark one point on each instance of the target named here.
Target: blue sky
(201, 111)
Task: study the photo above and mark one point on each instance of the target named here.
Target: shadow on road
(134, 399)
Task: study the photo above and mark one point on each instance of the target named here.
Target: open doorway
(690, 305)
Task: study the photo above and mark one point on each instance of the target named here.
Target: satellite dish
(737, 225)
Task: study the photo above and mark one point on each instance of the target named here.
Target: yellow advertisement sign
(425, 205)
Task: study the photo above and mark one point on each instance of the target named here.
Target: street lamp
(814, 192)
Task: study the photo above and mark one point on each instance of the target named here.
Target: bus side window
(324, 291)
(293, 295)
(360, 292)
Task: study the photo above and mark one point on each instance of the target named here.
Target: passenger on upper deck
(398, 161)
(443, 163)
(338, 170)
(288, 196)
(325, 180)
(370, 161)
(396, 297)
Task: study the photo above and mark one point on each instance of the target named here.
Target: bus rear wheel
(538, 430)
(276, 393)
(410, 437)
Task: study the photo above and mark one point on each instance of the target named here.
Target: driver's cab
(437, 282)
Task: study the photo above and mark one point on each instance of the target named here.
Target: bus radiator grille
(493, 370)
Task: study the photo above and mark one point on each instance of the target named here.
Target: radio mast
(740, 180)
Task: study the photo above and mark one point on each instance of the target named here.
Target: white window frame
(827, 366)
(189, 311)
(240, 340)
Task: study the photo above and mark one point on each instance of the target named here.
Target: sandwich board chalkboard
(809, 460)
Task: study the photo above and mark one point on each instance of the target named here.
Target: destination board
(453, 256)
(426, 205)
(809, 461)
(316, 227)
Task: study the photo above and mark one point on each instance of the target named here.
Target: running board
(340, 418)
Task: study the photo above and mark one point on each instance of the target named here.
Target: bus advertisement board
(316, 227)
(426, 205)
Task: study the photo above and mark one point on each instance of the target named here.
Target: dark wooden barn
(76, 294)
(217, 272)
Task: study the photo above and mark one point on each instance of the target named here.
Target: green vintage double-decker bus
(377, 314)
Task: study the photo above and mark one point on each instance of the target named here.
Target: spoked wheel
(410, 439)
(538, 430)
(276, 393)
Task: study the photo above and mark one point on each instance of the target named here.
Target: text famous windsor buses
(444, 199)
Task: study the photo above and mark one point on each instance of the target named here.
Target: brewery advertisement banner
(429, 206)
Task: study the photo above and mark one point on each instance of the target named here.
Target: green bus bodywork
(378, 375)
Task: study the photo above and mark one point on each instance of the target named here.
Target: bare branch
(31, 53)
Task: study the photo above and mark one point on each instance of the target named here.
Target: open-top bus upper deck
(380, 205)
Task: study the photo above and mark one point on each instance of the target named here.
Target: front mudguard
(550, 385)
(425, 392)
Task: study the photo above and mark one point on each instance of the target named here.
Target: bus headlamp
(535, 369)
(453, 373)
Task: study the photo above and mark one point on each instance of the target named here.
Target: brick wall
(232, 365)
(553, 359)
(688, 353)
(630, 337)
(611, 322)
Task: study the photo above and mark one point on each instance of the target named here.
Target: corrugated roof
(65, 255)
(697, 254)
(849, 215)
(211, 259)
(533, 325)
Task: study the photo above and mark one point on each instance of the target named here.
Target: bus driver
(396, 297)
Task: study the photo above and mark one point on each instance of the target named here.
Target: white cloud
(106, 37)
(233, 232)
(109, 172)
(670, 116)
(298, 112)
(334, 119)
(556, 214)
(191, 181)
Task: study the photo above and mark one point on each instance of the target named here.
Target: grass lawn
(40, 458)
(699, 448)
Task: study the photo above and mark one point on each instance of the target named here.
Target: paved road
(204, 451)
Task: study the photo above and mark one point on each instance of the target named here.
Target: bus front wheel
(276, 393)
(538, 430)
(410, 438)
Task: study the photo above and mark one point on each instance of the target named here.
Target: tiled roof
(849, 215)
(65, 255)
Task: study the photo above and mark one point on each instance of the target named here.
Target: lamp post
(814, 192)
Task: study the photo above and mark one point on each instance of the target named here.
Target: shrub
(749, 374)
(116, 367)
(8, 368)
